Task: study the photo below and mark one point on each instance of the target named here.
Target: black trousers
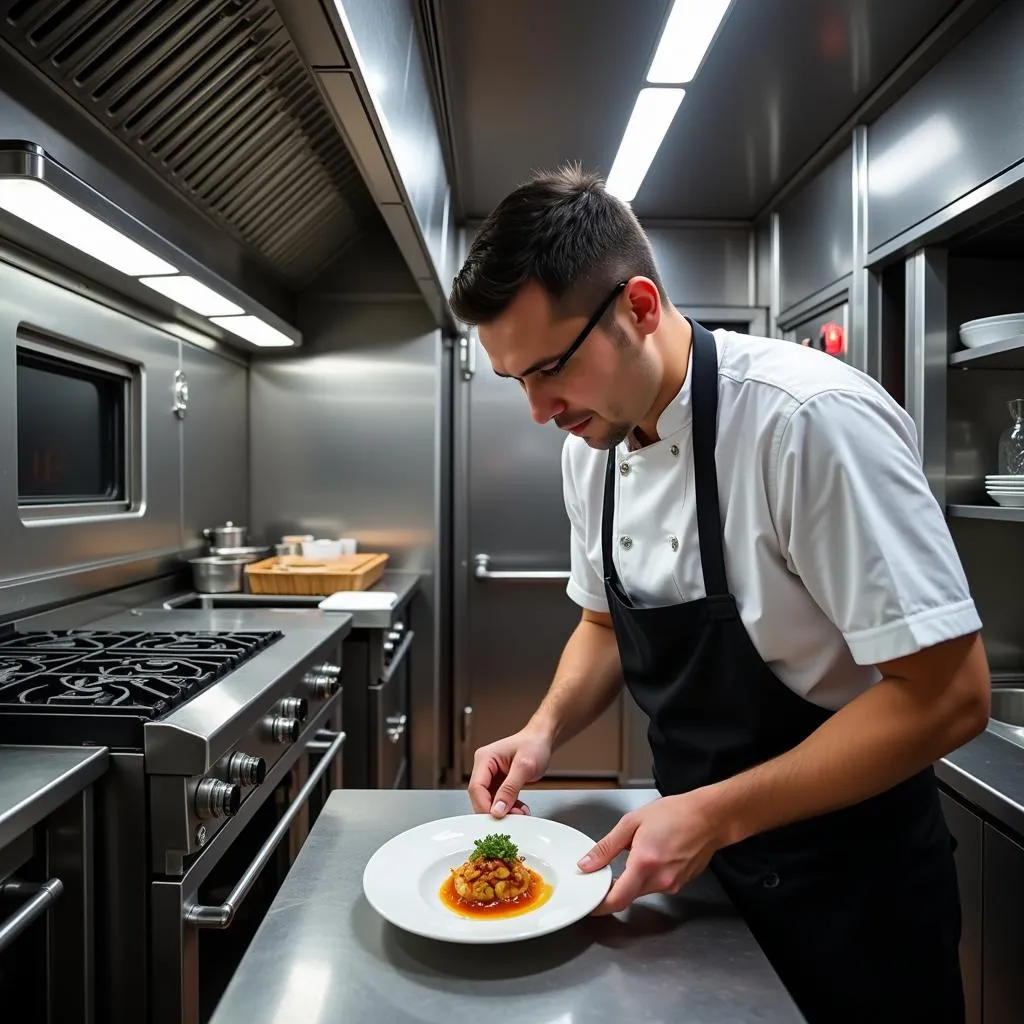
(866, 933)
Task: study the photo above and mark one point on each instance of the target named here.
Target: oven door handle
(396, 660)
(221, 916)
(44, 895)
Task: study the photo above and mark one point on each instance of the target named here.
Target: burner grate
(49, 681)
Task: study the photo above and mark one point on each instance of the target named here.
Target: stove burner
(59, 682)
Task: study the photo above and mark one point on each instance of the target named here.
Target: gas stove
(97, 686)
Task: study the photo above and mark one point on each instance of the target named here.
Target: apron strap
(607, 524)
(704, 391)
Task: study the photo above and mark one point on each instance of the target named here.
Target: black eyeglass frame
(559, 364)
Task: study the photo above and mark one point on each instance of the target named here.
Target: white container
(323, 550)
(990, 329)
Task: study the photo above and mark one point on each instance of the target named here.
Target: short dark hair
(565, 231)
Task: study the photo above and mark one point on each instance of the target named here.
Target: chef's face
(598, 386)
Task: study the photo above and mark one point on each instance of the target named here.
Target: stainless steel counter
(402, 584)
(989, 773)
(35, 781)
(323, 954)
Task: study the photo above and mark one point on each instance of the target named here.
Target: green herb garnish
(495, 847)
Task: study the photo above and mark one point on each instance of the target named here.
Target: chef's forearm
(588, 678)
(885, 735)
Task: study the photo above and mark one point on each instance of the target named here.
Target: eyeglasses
(559, 364)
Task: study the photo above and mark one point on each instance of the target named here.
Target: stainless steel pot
(226, 536)
(212, 575)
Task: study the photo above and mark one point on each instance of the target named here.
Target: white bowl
(990, 329)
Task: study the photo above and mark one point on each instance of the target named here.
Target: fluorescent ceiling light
(39, 205)
(652, 114)
(689, 29)
(193, 294)
(253, 329)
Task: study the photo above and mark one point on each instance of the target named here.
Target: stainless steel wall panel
(816, 233)
(703, 266)
(215, 444)
(955, 129)
(344, 442)
(43, 562)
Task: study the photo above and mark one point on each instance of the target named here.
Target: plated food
(414, 879)
(494, 881)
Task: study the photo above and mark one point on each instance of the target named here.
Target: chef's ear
(644, 303)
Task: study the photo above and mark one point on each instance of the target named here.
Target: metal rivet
(674, 449)
(674, 541)
(626, 542)
(624, 468)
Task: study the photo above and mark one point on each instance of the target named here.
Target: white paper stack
(358, 600)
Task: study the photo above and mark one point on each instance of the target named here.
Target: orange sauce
(537, 894)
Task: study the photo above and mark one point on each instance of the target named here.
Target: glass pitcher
(1011, 444)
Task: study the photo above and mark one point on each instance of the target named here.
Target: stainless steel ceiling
(534, 83)
(213, 95)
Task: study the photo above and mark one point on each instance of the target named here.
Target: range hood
(216, 99)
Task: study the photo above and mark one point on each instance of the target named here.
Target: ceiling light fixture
(193, 295)
(254, 330)
(652, 114)
(689, 31)
(37, 190)
(36, 202)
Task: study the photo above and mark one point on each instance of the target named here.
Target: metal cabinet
(966, 829)
(1003, 943)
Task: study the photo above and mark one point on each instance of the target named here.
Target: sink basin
(241, 600)
(1008, 706)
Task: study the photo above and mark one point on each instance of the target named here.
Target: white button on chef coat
(835, 548)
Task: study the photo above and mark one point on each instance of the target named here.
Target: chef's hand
(502, 768)
(670, 842)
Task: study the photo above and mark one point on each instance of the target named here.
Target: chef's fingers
(630, 885)
(519, 808)
(611, 846)
(480, 783)
(521, 771)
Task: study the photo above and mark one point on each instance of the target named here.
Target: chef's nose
(543, 407)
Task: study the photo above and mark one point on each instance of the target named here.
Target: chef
(758, 558)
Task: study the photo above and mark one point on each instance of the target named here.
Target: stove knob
(328, 669)
(294, 707)
(389, 647)
(399, 627)
(284, 730)
(216, 799)
(394, 635)
(246, 769)
(323, 684)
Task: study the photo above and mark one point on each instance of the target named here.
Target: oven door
(389, 722)
(203, 922)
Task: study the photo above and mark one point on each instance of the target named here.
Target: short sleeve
(586, 585)
(859, 525)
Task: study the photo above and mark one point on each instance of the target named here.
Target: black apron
(857, 909)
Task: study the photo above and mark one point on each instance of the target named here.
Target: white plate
(991, 329)
(1006, 478)
(401, 880)
(1009, 500)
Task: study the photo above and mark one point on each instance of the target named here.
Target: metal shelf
(1000, 355)
(1000, 512)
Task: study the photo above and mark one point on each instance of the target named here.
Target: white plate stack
(1006, 490)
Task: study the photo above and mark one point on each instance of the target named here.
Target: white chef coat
(836, 551)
